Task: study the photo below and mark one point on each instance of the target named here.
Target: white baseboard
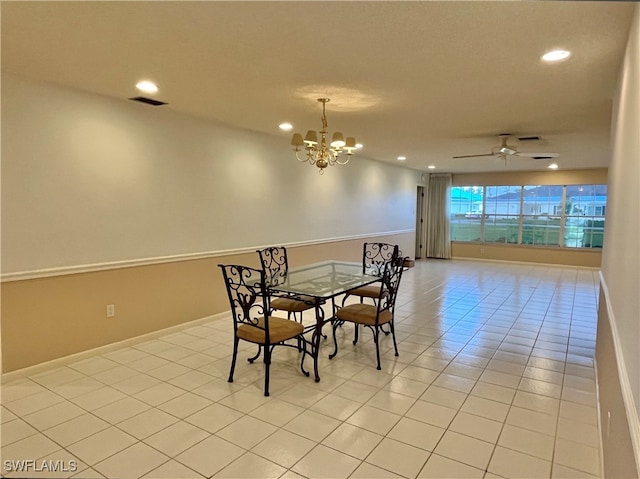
(599, 413)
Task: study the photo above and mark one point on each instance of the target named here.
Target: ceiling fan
(504, 150)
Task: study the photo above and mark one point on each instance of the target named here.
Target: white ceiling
(428, 80)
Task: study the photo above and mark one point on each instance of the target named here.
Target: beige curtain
(438, 237)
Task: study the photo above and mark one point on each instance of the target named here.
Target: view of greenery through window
(570, 216)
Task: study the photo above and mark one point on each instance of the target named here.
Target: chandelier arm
(308, 158)
(332, 157)
(344, 161)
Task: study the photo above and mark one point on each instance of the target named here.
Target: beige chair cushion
(293, 305)
(363, 314)
(371, 291)
(280, 329)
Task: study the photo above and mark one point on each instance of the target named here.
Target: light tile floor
(495, 378)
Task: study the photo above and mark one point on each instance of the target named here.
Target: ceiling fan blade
(472, 156)
(538, 156)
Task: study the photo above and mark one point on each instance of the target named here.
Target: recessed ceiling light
(402, 158)
(553, 166)
(285, 126)
(432, 167)
(147, 86)
(556, 55)
(358, 145)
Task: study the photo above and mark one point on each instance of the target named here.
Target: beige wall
(537, 254)
(52, 317)
(617, 446)
(618, 346)
(557, 177)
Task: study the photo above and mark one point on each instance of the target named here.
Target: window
(540, 220)
(541, 215)
(584, 218)
(466, 213)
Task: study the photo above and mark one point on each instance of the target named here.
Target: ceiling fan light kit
(507, 151)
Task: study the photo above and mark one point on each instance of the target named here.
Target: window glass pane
(542, 200)
(501, 229)
(503, 200)
(502, 210)
(584, 222)
(541, 230)
(542, 215)
(466, 213)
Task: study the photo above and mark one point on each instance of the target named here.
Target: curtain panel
(438, 224)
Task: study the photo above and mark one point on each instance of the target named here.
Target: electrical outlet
(111, 310)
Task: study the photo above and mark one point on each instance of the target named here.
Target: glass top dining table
(323, 280)
(317, 283)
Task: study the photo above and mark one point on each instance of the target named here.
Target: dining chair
(373, 316)
(275, 265)
(375, 257)
(252, 319)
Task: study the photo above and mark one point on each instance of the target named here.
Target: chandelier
(318, 153)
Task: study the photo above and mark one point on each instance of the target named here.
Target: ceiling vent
(148, 101)
(528, 138)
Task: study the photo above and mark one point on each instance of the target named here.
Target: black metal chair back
(375, 257)
(246, 291)
(274, 263)
(390, 285)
